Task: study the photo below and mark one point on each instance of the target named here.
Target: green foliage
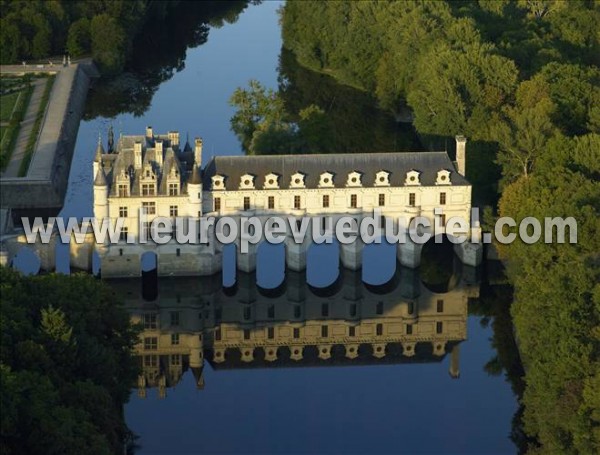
(108, 43)
(79, 41)
(556, 310)
(65, 365)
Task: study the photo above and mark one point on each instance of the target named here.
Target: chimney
(174, 138)
(158, 152)
(149, 132)
(198, 152)
(454, 369)
(461, 158)
(137, 155)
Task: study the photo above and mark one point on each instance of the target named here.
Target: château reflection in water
(191, 322)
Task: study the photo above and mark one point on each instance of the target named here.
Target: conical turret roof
(100, 179)
(99, 151)
(195, 177)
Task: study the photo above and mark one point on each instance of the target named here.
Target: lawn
(7, 104)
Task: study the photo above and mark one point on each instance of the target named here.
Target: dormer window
(218, 182)
(246, 182)
(297, 180)
(382, 178)
(271, 181)
(443, 177)
(354, 179)
(326, 180)
(412, 178)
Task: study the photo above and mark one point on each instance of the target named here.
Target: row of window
(439, 328)
(412, 197)
(150, 319)
(147, 189)
(148, 208)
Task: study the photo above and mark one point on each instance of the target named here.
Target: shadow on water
(159, 52)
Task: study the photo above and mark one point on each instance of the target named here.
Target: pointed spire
(187, 147)
(99, 150)
(100, 179)
(111, 139)
(195, 177)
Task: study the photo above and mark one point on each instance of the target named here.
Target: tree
(79, 41)
(108, 43)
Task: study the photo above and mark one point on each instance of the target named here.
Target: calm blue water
(414, 408)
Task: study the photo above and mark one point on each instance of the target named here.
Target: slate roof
(340, 165)
(123, 160)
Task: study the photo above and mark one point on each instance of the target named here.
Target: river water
(403, 405)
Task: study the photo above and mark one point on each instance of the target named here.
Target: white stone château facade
(158, 174)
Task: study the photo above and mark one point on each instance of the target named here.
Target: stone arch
(27, 261)
(149, 273)
(379, 262)
(440, 267)
(323, 264)
(270, 265)
(229, 268)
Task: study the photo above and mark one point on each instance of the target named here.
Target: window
(147, 189)
(174, 317)
(379, 329)
(173, 210)
(379, 309)
(442, 198)
(176, 360)
(381, 200)
(151, 361)
(411, 307)
(296, 332)
(271, 312)
(218, 334)
(442, 220)
(123, 234)
(296, 202)
(120, 251)
(324, 331)
(246, 334)
(123, 190)
(440, 306)
(150, 321)
(353, 201)
(412, 199)
(246, 203)
(409, 329)
(149, 208)
(271, 202)
(174, 339)
(297, 311)
(247, 313)
(217, 204)
(123, 212)
(439, 327)
(271, 333)
(326, 201)
(178, 252)
(325, 310)
(353, 310)
(151, 343)
(352, 331)
(173, 189)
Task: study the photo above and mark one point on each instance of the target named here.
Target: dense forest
(65, 366)
(520, 78)
(104, 29)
